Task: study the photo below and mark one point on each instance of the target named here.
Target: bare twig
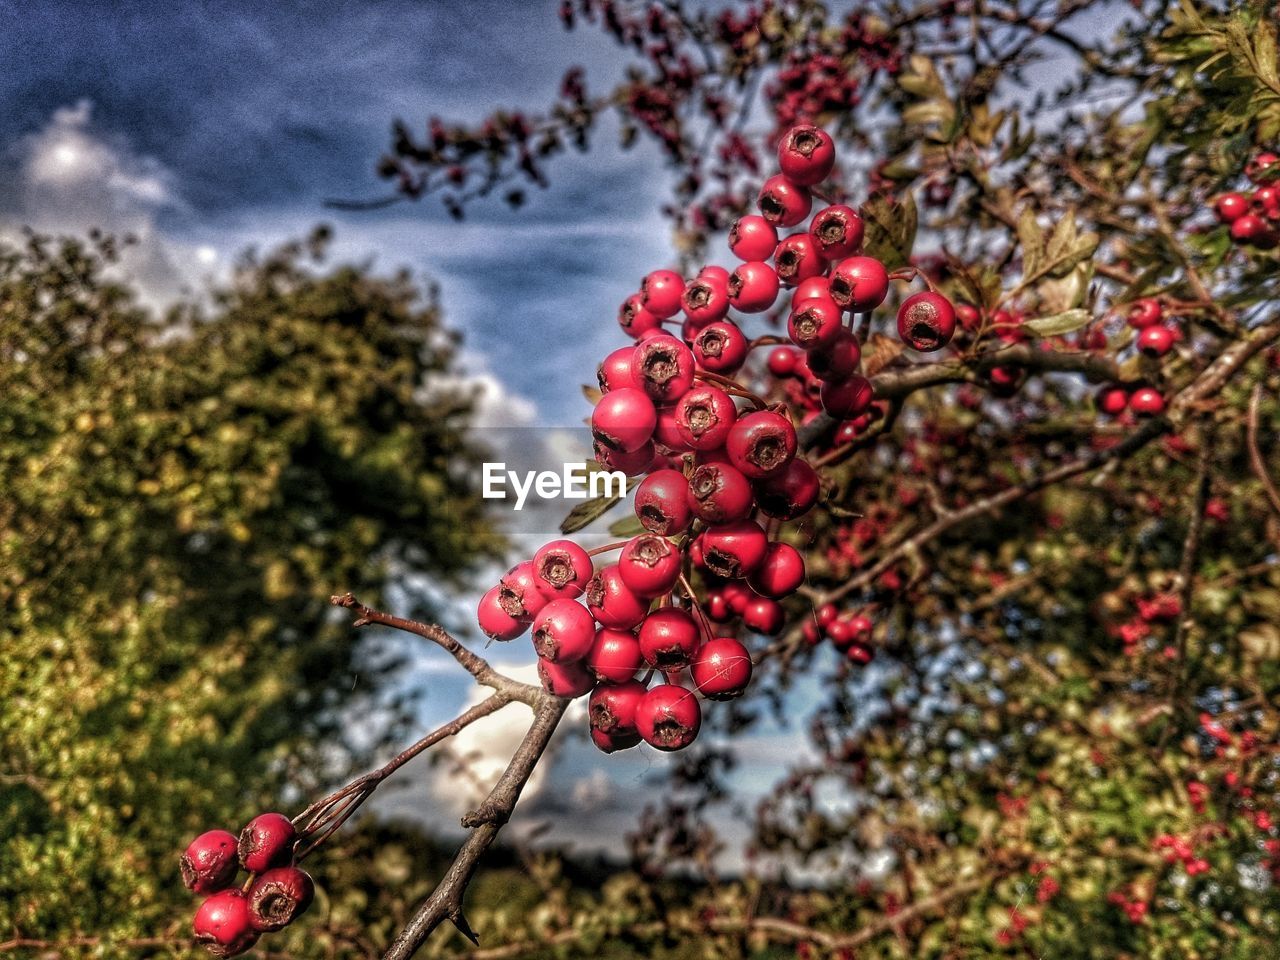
(1255, 455)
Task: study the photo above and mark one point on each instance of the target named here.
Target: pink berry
(663, 367)
(669, 638)
(926, 321)
(266, 841)
(563, 631)
(722, 669)
(753, 287)
(662, 502)
(704, 417)
(649, 565)
(279, 897)
(615, 655)
(624, 419)
(783, 203)
(495, 622)
(761, 444)
(209, 862)
(734, 550)
(720, 347)
(569, 680)
(562, 569)
(222, 924)
(837, 230)
(612, 707)
(781, 573)
(806, 155)
(719, 493)
(612, 602)
(753, 238)
(668, 717)
(859, 284)
(660, 293)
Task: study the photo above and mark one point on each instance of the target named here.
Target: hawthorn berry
(705, 300)
(266, 841)
(926, 321)
(668, 717)
(781, 573)
(733, 550)
(1144, 313)
(612, 602)
(562, 568)
(1146, 401)
(813, 287)
(764, 616)
(634, 319)
(837, 230)
(797, 259)
(806, 155)
(1253, 230)
(569, 680)
(279, 897)
(753, 238)
(663, 367)
(615, 740)
(753, 287)
(719, 493)
(222, 924)
(845, 399)
(614, 371)
(837, 360)
(720, 347)
(624, 419)
(1230, 207)
(210, 862)
(704, 417)
(714, 273)
(722, 669)
(859, 284)
(612, 707)
(520, 593)
(782, 202)
(662, 502)
(669, 638)
(494, 621)
(761, 444)
(660, 293)
(563, 631)
(649, 565)
(815, 323)
(1261, 168)
(615, 655)
(790, 493)
(782, 361)
(631, 464)
(1155, 341)
(1113, 401)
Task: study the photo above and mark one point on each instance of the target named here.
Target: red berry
(666, 432)
(612, 602)
(753, 287)
(837, 360)
(634, 319)
(624, 419)
(209, 863)
(1155, 341)
(781, 573)
(660, 293)
(753, 238)
(632, 464)
(782, 361)
(969, 317)
(1113, 401)
(815, 323)
(1260, 168)
(714, 273)
(1143, 313)
(222, 924)
(717, 607)
(495, 622)
(764, 616)
(663, 367)
(563, 631)
(668, 717)
(806, 154)
(761, 444)
(859, 284)
(669, 638)
(783, 203)
(662, 503)
(705, 300)
(569, 680)
(733, 550)
(615, 370)
(615, 740)
(612, 707)
(789, 494)
(1230, 207)
(719, 493)
(562, 569)
(797, 258)
(614, 656)
(926, 321)
(845, 399)
(649, 565)
(279, 897)
(722, 669)
(720, 347)
(1146, 401)
(704, 417)
(266, 841)
(520, 593)
(1253, 230)
(813, 287)
(837, 230)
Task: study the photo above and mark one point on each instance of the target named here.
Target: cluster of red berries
(231, 918)
(1178, 850)
(1133, 906)
(849, 633)
(1254, 217)
(1156, 336)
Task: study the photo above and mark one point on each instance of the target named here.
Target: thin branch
(1186, 571)
(1255, 455)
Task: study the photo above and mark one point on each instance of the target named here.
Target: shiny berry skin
(1155, 341)
(1113, 401)
(815, 323)
(614, 656)
(720, 347)
(1230, 207)
(632, 464)
(813, 287)
(782, 361)
(569, 680)
(222, 925)
(563, 631)
(797, 259)
(837, 360)
(649, 565)
(1259, 168)
(753, 287)
(764, 616)
(495, 622)
(662, 503)
(612, 707)
(663, 367)
(1146, 402)
(734, 550)
(780, 574)
(714, 273)
(614, 371)
(520, 593)
(719, 493)
(859, 284)
(753, 238)
(614, 740)
(562, 569)
(669, 638)
(210, 863)
(761, 444)
(660, 293)
(279, 897)
(266, 841)
(704, 417)
(783, 203)
(845, 399)
(624, 419)
(705, 300)
(969, 317)
(1144, 313)
(634, 319)
(1253, 230)
(612, 602)
(926, 321)
(837, 230)
(790, 493)
(716, 607)
(722, 669)
(666, 432)
(668, 717)
(806, 154)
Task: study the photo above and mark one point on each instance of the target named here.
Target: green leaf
(1031, 239)
(891, 229)
(587, 512)
(626, 527)
(1058, 324)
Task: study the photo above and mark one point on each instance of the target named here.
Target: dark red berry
(797, 258)
(209, 863)
(649, 565)
(615, 655)
(845, 399)
(806, 154)
(1230, 207)
(720, 347)
(1144, 313)
(783, 203)
(615, 740)
(624, 419)
(753, 238)
(668, 717)
(761, 444)
(562, 569)
(1155, 341)
(222, 924)
(1253, 230)
(837, 360)
(704, 417)
(838, 231)
(279, 897)
(669, 638)
(859, 284)
(790, 493)
(663, 367)
(722, 669)
(660, 293)
(632, 464)
(815, 323)
(569, 680)
(614, 371)
(733, 550)
(1113, 400)
(1261, 168)
(612, 707)
(926, 321)
(266, 841)
(563, 631)
(753, 287)
(495, 622)
(1146, 401)
(612, 602)
(764, 616)
(634, 319)
(520, 592)
(782, 361)
(781, 573)
(662, 502)
(719, 493)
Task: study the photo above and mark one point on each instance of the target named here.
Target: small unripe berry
(614, 371)
(845, 399)
(781, 573)
(722, 669)
(266, 841)
(705, 300)
(797, 258)
(761, 444)
(668, 717)
(764, 616)
(806, 154)
(859, 284)
(520, 592)
(612, 707)
(662, 502)
(669, 638)
(222, 924)
(926, 321)
(783, 203)
(1144, 313)
(753, 287)
(790, 493)
(660, 293)
(634, 319)
(495, 622)
(663, 367)
(719, 493)
(649, 565)
(615, 655)
(209, 863)
(279, 897)
(612, 602)
(704, 417)
(563, 631)
(569, 680)
(624, 419)
(720, 347)
(733, 550)
(1155, 341)
(753, 238)
(562, 569)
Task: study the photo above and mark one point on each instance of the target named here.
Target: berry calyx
(520, 592)
(649, 565)
(209, 863)
(782, 202)
(837, 230)
(705, 416)
(720, 347)
(797, 258)
(719, 493)
(494, 621)
(815, 323)
(663, 367)
(562, 569)
(668, 717)
(266, 841)
(634, 319)
(705, 300)
(761, 444)
(722, 669)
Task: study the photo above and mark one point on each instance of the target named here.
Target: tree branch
(1255, 455)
